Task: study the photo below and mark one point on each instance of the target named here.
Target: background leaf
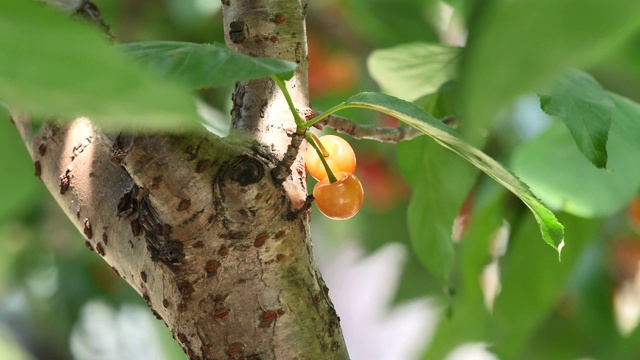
(533, 41)
(467, 300)
(204, 65)
(586, 110)
(54, 66)
(524, 300)
(551, 229)
(412, 70)
(579, 188)
(19, 188)
(626, 120)
(440, 181)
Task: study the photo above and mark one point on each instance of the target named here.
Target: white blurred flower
(102, 333)
(362, 289)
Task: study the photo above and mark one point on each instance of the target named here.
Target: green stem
(324, 114)
(324, 150)
(300, 123)
(332, 177)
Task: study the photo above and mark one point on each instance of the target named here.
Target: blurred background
(60, 301)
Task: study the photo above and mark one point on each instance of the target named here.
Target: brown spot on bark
(42, 149)
(88, 245)
(280, 312)
(100, 249)
(38, 168)
(143, 276)
(115, 271)
(65, 181)
(165, 303)
(308, 115)
(237, 32)
(202, 166)
(166, 229)
(211, 267)
(185, 288)
(206, 349)
(88, 231)
(278, 19)
(115, 160)
(280, 257)
(331, 332)
(223, 251)
(184, 204)
(267, 318)
(235, 349)
(182, 338)
(105, 239)
(155, 313)
(273, 38)
(260, 239)
(155, 186)
(234, 235)
(136, 228)
(198, 244)
(258, 196)
(182, 308)
(280, 234)
(78, 149)
(146, 298)
(220, 313)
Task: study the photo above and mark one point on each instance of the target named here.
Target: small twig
(292, 215)
(90, 12)
(372, 132)
(282, 171)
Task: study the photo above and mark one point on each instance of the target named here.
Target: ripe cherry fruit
(339, 200)
(340, 157)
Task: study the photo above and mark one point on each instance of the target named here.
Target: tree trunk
(195, 223)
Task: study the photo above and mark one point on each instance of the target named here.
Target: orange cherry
(339, 200)
(340, 157)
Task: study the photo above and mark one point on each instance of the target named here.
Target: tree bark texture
(195, 222)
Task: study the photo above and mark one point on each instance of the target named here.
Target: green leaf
(626, 120)
(470, 320)
(532, 282)
(558, 173)
(19, 188)
(440, 183)
(55, 66)
(204, 65)
(410, 71)
(387, 23)
(586, 110)
(551, 229)
(519, 46)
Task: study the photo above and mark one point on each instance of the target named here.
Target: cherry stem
(332, 177)
(300, 123)
(324, 150)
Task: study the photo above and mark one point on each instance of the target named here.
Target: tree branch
(378, 133)
(195, 224)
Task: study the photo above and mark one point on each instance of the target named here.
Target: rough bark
(195, 223)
